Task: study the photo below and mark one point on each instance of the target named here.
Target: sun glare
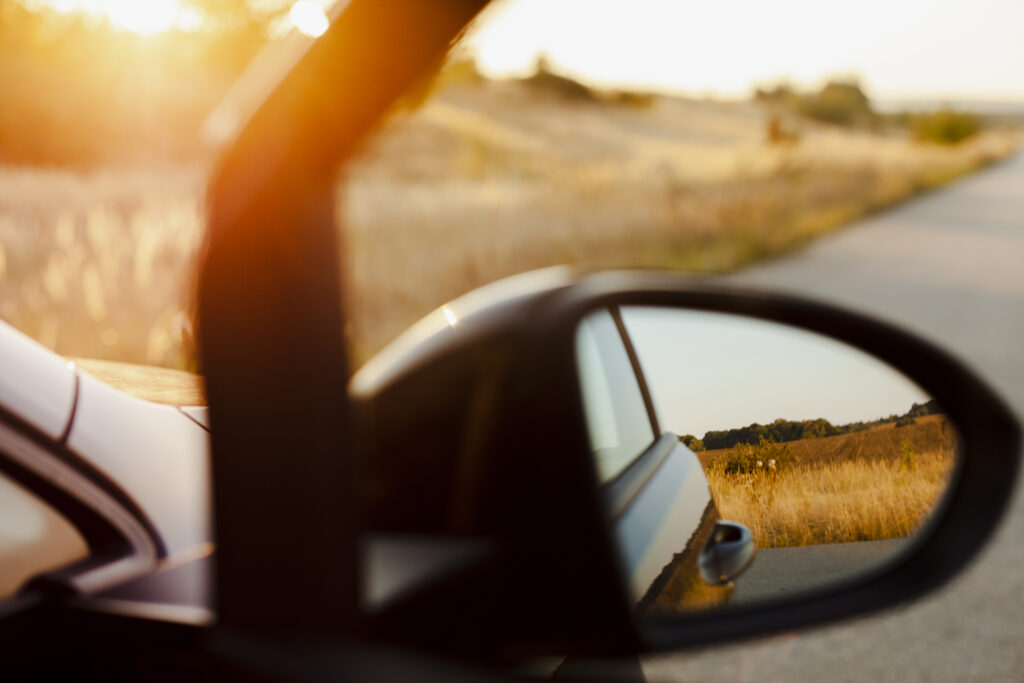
(144, 18)
(309, 18)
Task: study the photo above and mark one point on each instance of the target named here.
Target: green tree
(842, 103)
(945, 127)
(816, 429)
(692, 442)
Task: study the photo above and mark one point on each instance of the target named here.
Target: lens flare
(309, 18)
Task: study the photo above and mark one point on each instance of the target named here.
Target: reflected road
(778, 572)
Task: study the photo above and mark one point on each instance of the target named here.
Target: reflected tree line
(782, 430)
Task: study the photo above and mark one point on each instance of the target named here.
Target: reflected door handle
(727, 554)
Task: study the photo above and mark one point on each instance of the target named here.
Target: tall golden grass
(873, 496)
(99, 264)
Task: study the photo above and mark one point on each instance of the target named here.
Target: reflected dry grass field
(482, 181)
(879, 484)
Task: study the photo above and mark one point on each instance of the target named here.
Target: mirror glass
(744, 461)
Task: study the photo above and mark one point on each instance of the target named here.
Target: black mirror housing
(470, 426)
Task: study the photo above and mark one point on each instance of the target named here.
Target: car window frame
(621, 337)
(641, 379)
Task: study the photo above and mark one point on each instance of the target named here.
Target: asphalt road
(779, 572)
(951, 267)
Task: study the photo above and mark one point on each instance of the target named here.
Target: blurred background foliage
(844, 103)
(945, 127)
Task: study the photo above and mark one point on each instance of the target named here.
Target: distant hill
(927, 434)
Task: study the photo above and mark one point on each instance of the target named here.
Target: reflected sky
(711, 371)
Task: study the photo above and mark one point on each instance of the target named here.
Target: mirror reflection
(742, 460)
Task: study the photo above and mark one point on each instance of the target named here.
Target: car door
(657, 497)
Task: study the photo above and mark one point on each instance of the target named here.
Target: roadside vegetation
(843, 103)
(516, 175)
(880, 483)
(945, 127)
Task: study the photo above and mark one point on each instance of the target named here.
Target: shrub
(908, 457)
(840, 103)
(944, 127)
(776, 133)
(816, 429)
(746, 458)
(563, 86)
(781, 94)
(692, 442)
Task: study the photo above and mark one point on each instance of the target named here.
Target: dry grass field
(484, 180)
(98, 264)
(508, 179)
(872, 485)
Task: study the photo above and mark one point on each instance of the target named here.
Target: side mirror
(585, 464)
(729, 552)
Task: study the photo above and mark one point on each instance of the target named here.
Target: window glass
(104, 154)
(34, 538)
(617, 420)
(699, 142)
(534, 145)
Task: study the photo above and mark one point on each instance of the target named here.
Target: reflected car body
(663, 515)
(663, 518)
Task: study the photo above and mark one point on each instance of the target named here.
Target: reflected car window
(617, 420)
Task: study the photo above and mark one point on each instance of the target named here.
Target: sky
(712, 371)
(946, 50)
(153, 17)
(901, 50)
(145, 17)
